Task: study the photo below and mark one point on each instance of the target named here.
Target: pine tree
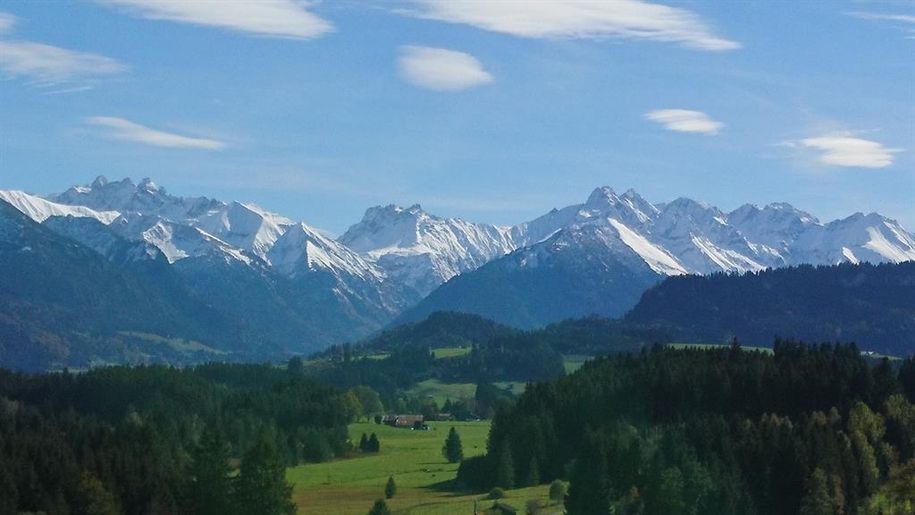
(390, 489)
(261, 484)
(453, 450)
(211, 488)
(364, 443)
(380, 508)
(373, 444)
(533, 473)
(505, 468)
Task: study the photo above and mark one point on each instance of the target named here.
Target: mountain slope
(578, 271)
(422, 251)
(872, 305)
(61, 303)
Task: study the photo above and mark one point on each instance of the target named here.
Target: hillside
(872, 305)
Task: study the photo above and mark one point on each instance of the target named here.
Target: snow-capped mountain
(40, 209)
(243, 226)
(611, 235)
(289, 286)
(421, 250)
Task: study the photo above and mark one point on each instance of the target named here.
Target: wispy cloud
(903, 18)
(7, 21)
(123, 129)
(46, 64)
(844, 149)
(441, 69)
(907, 21)
(684, 120)
(589, 19)
(274, 18)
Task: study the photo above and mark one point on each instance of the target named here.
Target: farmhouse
(414, 421)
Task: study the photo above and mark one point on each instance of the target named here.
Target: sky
(491, 111)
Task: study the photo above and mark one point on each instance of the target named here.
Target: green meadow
(350, 486)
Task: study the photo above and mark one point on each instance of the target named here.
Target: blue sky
(492, 111)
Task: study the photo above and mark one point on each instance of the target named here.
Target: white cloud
(441, 69)
(122, 129)
(904, 18)
(843, 149)
(48, 64)
(7, 21)
(590, 19)
(275, 18)
(684, 120)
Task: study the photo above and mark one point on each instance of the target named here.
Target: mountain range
(273, 285)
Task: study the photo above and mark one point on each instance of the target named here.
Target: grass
(440, 392)
(178, 344)
(573, 362)
(451, 352)
(350, 486)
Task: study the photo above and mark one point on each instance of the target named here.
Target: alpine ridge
(300, 290)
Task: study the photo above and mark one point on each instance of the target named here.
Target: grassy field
(350, 486)
(441, 392)
(451, 352)
(573, 362)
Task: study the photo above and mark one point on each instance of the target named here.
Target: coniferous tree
(373, 444)
(94, 498)
(380, 508)
(390, 489)
(261, 484)
(210, 488)
(453, 450)
(505, 468)
(364, 443)
(817, 500)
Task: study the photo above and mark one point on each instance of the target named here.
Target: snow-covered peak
(39, 209)
(302, 249)
(423, 250)
(177, 241)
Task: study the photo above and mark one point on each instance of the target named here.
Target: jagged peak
(100, 182)
(602, 195)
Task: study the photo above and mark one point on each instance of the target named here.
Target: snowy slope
(39, 209)
(244, 226)
(421, 250)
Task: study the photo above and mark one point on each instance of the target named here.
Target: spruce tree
(505, 468)
(373, 444)
(453, 450)
(364, 443)
(261, 484)
(380, 508)
(210, 488)
(390, 489)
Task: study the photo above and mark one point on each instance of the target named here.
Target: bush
(496, 493)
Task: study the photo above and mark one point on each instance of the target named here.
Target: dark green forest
(808, 429)
(871, 305)
(161, 440)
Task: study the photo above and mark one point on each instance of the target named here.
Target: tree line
(162, 440)
(806, 429)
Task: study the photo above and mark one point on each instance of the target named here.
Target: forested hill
(159, 440)
(872, 305)
(805, 430)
